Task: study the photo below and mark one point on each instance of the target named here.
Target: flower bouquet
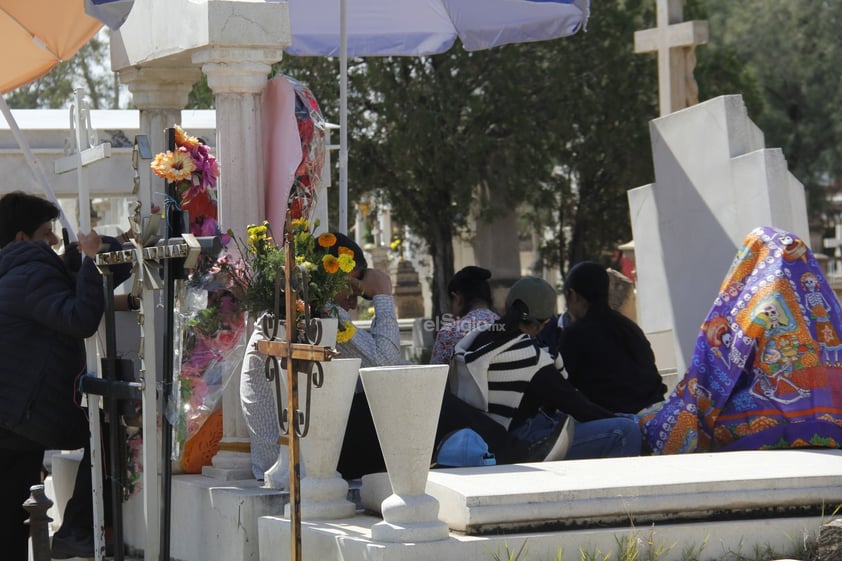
(323, 263)
(210, 323)
(194, 171)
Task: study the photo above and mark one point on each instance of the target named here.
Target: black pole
(116, 438)
(172, 269)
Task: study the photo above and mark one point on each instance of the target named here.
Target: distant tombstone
(407, 291)
(714, 182)
(834, 267)
(621, 294)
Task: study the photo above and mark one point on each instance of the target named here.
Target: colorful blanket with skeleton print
(767, 368)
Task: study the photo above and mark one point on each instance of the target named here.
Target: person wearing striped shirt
(519, 385)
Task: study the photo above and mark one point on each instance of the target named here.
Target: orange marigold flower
(327, 240)
(173, 166)
(345, 251)
(330, 263)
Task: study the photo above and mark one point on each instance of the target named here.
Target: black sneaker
(553, 447)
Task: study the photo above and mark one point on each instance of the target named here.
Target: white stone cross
(675, 42)
(835, 242)
(86, 152)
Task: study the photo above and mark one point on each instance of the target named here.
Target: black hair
(472, 284)
(344, 241)
(22, 212)
(590, 280)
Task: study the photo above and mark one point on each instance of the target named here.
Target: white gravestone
(714, 182)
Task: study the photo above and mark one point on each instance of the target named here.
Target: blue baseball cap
(464, 448)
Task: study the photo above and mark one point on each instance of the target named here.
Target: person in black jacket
(45, 315)
(606, 354)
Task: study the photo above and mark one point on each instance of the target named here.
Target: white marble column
(237, 77)
(159, 94)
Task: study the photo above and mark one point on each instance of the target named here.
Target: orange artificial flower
(184, 139)
(173, 166)
(345, 251)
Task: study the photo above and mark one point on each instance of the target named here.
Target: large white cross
(674, 41)
(87, 152)
(835, 242)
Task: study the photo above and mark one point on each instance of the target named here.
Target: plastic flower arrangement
(325, 265)
(194, 171)
(210, 324)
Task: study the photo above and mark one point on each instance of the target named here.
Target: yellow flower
(345, 251)
(173, 166)
(184, 139)
(330, 263)
(346, 263)
(395, 244)
(346, 332)
(301, 224)
(327, 240)
(258, 234)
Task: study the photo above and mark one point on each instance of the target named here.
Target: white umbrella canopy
(418, 27)
(424, 27)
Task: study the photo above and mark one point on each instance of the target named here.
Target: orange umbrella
(37, 35)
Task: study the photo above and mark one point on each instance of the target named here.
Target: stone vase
(277, 476)
(323, 491)
(405, 402)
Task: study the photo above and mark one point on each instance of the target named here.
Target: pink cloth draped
(282, 148)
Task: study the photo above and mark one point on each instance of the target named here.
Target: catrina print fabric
(766, 371)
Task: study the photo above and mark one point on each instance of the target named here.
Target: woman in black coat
(45, 315)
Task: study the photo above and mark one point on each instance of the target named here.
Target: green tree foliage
(793, 48)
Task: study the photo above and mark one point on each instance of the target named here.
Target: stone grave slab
(610, 492)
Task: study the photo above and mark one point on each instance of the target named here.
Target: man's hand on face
(374, 282)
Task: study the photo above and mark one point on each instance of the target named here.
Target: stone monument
(715, 181)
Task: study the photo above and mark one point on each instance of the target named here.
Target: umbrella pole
(343, 117)
(34, 165)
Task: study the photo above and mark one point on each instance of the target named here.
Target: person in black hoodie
(606, 354)
(45, 315)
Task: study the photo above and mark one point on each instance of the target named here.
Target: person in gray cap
(501, 369)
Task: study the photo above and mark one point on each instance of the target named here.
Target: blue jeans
(614, 437)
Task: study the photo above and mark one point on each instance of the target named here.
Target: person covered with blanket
(766, 370)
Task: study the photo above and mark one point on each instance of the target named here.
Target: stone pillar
(237, 77)
(160, 93)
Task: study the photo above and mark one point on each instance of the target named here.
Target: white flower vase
(406, 429)
(323, 491)
(330, 327)
(277, 476)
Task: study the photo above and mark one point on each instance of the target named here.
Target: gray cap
(538, 295)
